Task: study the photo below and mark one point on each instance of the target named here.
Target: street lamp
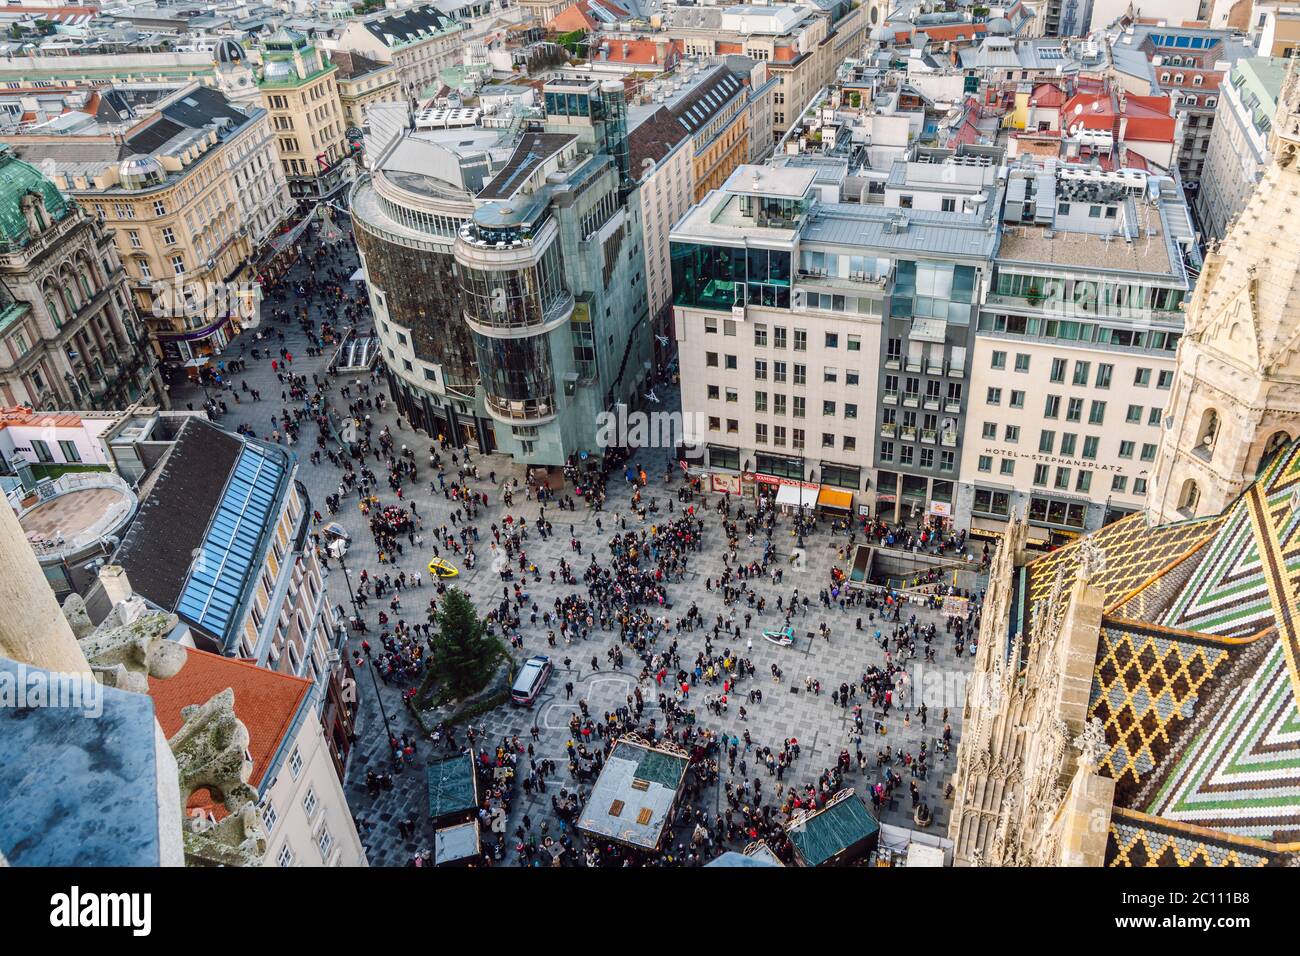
(339, 548)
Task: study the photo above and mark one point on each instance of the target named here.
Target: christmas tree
(464, 656)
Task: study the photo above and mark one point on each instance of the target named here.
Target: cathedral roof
(1196, 680)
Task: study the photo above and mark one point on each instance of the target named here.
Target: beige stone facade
(69, 334)
(300, 91)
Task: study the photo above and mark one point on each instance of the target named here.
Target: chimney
(116, 585)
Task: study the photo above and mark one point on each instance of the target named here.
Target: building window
(286, 856)
(1007, 466)
(325, 842)
(989, 431)
(994, 396)
(310, 803)
(985, 463)
(269, 817)
(999, 360)
(1022, 362)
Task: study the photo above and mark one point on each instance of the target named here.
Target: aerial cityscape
(633, 433)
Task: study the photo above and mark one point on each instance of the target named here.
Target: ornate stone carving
(129, 647)
(1091, 745)
(1092, 560)
(210, 749)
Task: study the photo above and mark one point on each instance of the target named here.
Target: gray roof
(410, 25)
(632, 797)
(946, 234)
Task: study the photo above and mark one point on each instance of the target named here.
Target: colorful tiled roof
(1136, 839)
(1196, 680)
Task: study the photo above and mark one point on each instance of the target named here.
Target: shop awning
(359, 275)
(789, 496)
(835, 498)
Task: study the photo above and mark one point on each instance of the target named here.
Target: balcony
(536, 412)
(890, 397)
(912, 400)
(888, 429)
(914, 365)
(909, 433)
(929, 436)
(931, 404)
(948, 439)
(952, 406)
(893, 363)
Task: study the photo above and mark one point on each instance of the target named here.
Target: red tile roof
(1149, 119)
(955, 31)
(266, 701)
(1047, 95)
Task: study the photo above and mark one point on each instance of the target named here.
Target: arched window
(1190, 496)
(1276, 442)
(53, 304)
(1208, 433)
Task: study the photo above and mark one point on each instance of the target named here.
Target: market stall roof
(453, 786)
(918, 854)
(454, 844)
(634, 793)
(835, 498)
(790, 494)
(359, 275)
(732, 858)
(196, 362)
(820, 835)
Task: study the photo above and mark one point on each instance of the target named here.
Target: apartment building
(793, 312)
(419, 42)
(185, 181)
(1187, 64)
(1238, 153)
(1074, 354)
(362, 82)
(802, 44)
(662, 156)
(69, 333)
(300, 91)
(221, 540)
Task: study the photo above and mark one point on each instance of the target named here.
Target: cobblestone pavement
(786, 710)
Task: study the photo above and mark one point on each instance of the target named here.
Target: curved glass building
(506, 274)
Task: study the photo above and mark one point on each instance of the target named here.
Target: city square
(788, 710)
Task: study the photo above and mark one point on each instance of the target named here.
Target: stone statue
(1092, 560)
(1091, 745)
(210, 754)
(125, 653)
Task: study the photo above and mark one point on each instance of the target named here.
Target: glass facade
(513, 298)
(420, 292)
(718, 277)
(568, 104)
(933, 290)
(517, 375)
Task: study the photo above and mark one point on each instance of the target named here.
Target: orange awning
(834, 498)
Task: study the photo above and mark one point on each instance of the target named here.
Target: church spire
(1236, 394)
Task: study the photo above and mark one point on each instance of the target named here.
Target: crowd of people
(691, 671)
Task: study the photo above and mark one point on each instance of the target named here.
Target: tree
(464, 656)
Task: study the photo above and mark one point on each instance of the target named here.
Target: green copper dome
(17, 179)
